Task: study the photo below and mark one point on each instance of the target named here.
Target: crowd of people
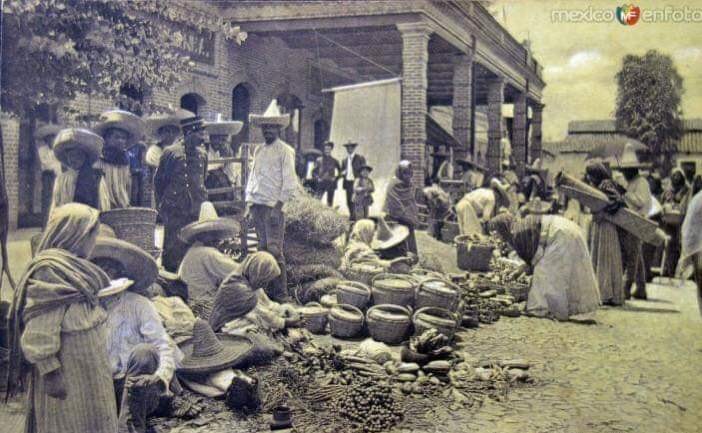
(85, 290)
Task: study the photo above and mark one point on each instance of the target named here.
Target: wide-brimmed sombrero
(46, 130)
(158, 120)
(205, 353)
(138, 265)
(387, 236)
(209, 223)
(316, 153)
(116, 286)
(228, 127)
(77, 138)
(123, 120)
(467, 162)
(537, 207)
(272, 116)
(629, 158)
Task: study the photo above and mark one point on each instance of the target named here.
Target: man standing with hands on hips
(351, 170)
(272, 183)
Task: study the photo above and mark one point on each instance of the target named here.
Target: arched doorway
(192, 102)
(241, 107)
(321, 133)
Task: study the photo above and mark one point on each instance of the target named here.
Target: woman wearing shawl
(241, 304)
(359, 249)
(604, 238)
(691, 254)
(57, 325)
(675, 200)
(563, 283)
(401, 204)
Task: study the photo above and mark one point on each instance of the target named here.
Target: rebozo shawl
(523, 234)
(70, 278)
(400, 202)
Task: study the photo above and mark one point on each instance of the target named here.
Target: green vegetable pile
(370, 406)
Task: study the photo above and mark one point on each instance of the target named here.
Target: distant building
(586, 135)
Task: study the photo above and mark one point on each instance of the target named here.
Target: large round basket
(136, 225)
(471, 256)
(394, 289)
(389, 323)
(345, 321)
(441, 319)
(315, 317)
(437, 292)
(519, 291)
(353, 293)
(362, 272)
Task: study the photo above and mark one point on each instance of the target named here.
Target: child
(363, 190)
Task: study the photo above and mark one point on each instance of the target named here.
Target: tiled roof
(582, 142)
(691, 141)
(591, 126)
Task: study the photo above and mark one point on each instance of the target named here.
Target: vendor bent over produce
(57, 329)
(564, 282)
(478, 206)
(143, 358)
(365, 242)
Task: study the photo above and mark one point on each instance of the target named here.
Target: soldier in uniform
(179, 187)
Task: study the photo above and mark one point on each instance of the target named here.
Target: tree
(649, 98)
(54, 49)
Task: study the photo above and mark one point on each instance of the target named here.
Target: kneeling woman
(376, 245)
(564, 282)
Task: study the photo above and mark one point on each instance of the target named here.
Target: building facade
(447, 53)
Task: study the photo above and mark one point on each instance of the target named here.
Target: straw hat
(366, 167)
(157, 121)
(44, 131)
(116, 286)
(312, 153)
(272, 116)
(209, 223)
(472, 164)
(629, 158)
(123, 120)
(225, 127)
(387, 237)
(350, 144)
(76, 138)
(205, 353)
(138, 265)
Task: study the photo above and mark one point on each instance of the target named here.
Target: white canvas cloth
(691, 233)
(369, 114)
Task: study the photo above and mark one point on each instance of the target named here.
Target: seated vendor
(242, 306)
(564, 282)
(142, 356)
(204, 267)
(367, 245)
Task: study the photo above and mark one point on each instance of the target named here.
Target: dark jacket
(179, 182)
(357, 163)
(327, 169)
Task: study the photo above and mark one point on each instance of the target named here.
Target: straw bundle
(309, 221)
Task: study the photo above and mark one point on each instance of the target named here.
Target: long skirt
(607, 262)
(90, 399)
(468, 219)
(564, 282)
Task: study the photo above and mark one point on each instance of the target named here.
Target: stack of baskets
(395, 289)
(136, 225)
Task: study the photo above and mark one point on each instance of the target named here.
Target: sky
(580, 59)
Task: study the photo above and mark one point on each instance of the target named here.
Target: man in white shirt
(272, 183)
(351, 169)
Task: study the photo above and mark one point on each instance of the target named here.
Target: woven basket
(518, 291)
(362, 272)
(389, 323)
(315, 317)
(136, 225)
(394, 289)
(345, 321)
(472, 257)
(353, 293)
(441, 319)
(437, 292)
(449, 231)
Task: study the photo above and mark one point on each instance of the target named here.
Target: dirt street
(639, 369)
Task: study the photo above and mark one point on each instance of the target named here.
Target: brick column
(415, 56)
(535, 142)
(462, 98)
(519, 132)
(10, 137)
(495, 99)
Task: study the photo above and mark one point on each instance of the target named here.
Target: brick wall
(10, 137)
(267, 65)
